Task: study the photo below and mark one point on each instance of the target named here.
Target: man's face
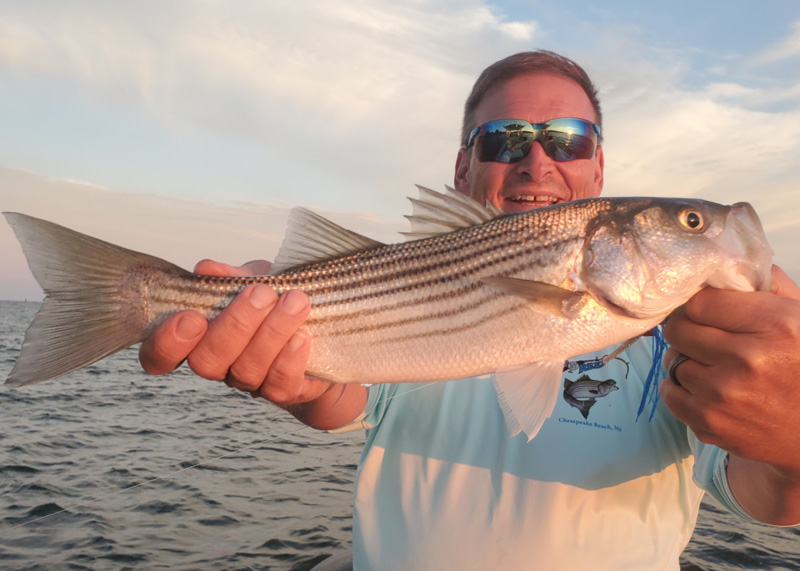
(536, 180)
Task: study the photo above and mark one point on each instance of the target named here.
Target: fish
(583, 393)
(471, 291)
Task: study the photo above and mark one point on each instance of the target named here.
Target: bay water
(109, 468)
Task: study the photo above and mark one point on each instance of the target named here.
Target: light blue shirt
(442, 485)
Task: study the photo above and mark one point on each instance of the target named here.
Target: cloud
(668, 134)
(363, 98)
(687, 143)
(786, 48)
(180, 231)
(331, 81)
(722, 141)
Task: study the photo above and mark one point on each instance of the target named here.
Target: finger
(686, 395)
(688, 409)
(674, 394)
(734, 311)
(212, 268)
(669, 355)
(251, 268)
(696, 341)
(673, 391)
(720, 323)
(231, 331)
(257, 267)
(674, 362)
(286, 383)
(171, 342)
(279, 327)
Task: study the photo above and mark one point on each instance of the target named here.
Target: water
(109, 468)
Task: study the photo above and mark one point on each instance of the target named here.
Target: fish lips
(748, 262)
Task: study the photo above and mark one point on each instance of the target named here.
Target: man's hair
(541, 61)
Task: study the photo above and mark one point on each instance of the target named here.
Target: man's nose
(536, 162)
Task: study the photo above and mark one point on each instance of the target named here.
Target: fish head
(607, 386)
(645, 257)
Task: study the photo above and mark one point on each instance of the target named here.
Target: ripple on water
(117, 448)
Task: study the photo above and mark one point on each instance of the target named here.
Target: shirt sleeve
(711, 474)
(379, 397)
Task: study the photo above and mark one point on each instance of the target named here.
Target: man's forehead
(535, 98)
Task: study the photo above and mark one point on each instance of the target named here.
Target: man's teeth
(534, 199)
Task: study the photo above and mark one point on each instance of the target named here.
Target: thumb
(782, 285)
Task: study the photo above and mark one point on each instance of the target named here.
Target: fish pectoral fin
(313, 238)
(528, 395)
(554, 300)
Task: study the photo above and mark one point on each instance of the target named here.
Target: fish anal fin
(528, 395)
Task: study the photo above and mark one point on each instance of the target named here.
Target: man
(442, 484)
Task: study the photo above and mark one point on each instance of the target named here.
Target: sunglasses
(510, 140)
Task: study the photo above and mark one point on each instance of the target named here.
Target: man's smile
(519, 202)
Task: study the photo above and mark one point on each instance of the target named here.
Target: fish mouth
(750, 266)
(624, 311)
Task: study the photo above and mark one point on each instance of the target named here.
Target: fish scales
(373, 306)
(537, 286)
(424, 290)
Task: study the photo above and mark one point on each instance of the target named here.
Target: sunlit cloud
(783, 49)
(367, 92)
(180, 231)
(345, 105)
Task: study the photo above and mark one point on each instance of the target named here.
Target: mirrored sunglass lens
(505, 141)
(568, 146)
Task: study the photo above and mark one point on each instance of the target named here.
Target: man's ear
(462, 168)
(599, 164)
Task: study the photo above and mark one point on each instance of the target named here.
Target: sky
(189, 129)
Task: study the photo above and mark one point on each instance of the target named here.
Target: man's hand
(738, 390)
(255, 345)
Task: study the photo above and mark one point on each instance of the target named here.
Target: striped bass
(472, 291)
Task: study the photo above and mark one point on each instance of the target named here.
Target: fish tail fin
(95, 302)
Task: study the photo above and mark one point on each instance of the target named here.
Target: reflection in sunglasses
(510, 140)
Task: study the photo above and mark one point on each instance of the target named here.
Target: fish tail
(95, 299)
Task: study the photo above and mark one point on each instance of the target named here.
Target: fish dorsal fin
(313, 238)
(435, 213)
(528, 395)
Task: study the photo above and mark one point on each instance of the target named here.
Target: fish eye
(691, 219)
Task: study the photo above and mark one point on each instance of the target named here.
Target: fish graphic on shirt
(583, 393)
